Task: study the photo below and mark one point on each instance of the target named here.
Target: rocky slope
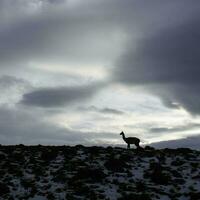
(63, 172)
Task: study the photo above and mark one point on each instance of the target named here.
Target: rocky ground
(63, 172)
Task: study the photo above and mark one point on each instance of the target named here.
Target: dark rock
(180, 181)
(194, 165)
(176, 174)
(82, 190)
(94, 175)
(177, 162)
(148, 154)
(94, 150)
(4, 189)
(116, 165)
(126, 157)
(27, 183)
(79, 147)
(69, 153)
(184, 150)
(149, 148)
(140, 186)
(109, 149)
(197, 177)
(59, 178)
(194, 195)
(50, 196)
(48, 155)
(158, 176)
(140, 149)
(2, 157)
(135, 196)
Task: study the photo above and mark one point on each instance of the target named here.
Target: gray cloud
(53, 34)
(185, 127)
(11, 81)
(167, 63)
(111, 111)
(60, 96)
(41, 31)
(40, 39)
(50, 30)
(16, 126)
(12, 89)
(102, 110)
(28, 127)
(170, 56)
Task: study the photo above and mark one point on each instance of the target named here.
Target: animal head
(122, 133)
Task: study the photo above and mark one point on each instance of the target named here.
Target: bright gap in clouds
(93, 72)
(137, 114)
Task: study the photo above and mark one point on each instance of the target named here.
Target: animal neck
(123, 136)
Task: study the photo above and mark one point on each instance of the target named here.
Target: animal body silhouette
(130, 140)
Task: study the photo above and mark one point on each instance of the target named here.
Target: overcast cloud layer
(168, 61)
(76, 70)
(55, 97)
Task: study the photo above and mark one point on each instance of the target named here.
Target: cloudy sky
(74, 71)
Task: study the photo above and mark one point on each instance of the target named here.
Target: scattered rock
(64, 172)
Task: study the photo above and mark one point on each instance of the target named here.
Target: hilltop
(65, 172)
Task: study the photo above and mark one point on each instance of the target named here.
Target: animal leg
(128, 146)
(137, 144)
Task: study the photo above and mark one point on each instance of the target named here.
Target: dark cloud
(10, 81)
(185, 127)
(60, 96)
(42, 31)
(170, 56)
(167, 63)
(34, 32)
(189, 142)
(52, 34)
(111, 111)
(102, 110)
(56, 1)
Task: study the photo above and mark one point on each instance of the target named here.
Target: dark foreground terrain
(63, 172)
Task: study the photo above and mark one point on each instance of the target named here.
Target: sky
(80, 72)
